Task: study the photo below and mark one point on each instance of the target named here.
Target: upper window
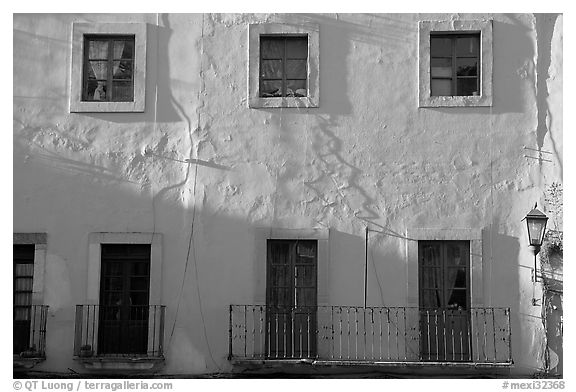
(455, 63)
(454, 60)
(283, 66)
(108, 67)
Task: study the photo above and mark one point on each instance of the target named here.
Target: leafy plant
(554, 238)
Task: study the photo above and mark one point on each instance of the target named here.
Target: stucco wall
(204, 170)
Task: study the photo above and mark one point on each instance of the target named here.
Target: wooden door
(291, 299)
(124, 299)
(444, 288)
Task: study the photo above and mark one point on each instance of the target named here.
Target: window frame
(255, 31)
(79, 33)
(428, 28)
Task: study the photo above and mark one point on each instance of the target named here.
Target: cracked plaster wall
(198, 157)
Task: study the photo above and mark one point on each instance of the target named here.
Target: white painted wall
(367, 156)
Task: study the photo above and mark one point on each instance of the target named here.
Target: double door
(444, 288)
(291, 299)
(124, 299)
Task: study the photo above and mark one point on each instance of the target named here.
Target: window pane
(23, 284)
(271, 48)
(123, 49)
(98, 70)
(467, 86)
(467, 46)
(139, 268)
(305, 276)
(138, 298)
(456, 278)
(297, 48)
(271, 88)
(431, 277)
(440, 87)
(280, 276)
(305, 297)
(271, 69)
(123, 91)
(22, 314)
(467, 67)
(296, 88)
(296, 69)
(113, 284)
(22, 299)
(441, 67)
(24, 269)
(139, 283)
(440, 46)
(430, 299)
(112, 269)
(97, 49)
(430, 255)
(457, 299)
(123, 70)
(279, 253)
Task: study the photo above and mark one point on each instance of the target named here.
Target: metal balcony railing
(30, 331)
(119, 331)
(372, 334)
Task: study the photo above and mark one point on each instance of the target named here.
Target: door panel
(23, 275)
(291, 299)
(444, 283)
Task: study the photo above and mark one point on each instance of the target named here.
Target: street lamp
(536, 224)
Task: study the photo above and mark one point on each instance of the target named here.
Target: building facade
(216, 193)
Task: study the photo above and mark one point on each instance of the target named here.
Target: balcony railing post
(230, 332)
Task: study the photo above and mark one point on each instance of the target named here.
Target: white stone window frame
(40, 248)
(79, 30)
(413, 235)
(484, 27)
(312, 99)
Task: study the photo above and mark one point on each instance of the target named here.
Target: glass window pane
(23, 284)
(441, 67)
(279, 253)
(138, 298)
(431, 277)
(296, 88)
(123, 49)
(280, 276)
(271, 88)
(297, 48)
(271, 69)
(96, 90)
(139, 283)
(112, 269)
(430, 299)
(97, 49)
(467, 86)
(123, 91)
(113, 284)
(440, 46)
(271, 48)
(305, 297)
(467, 46)
(454, 255)
(122, 70)
(456, 278)
(430, 255)
(306, 251)
(139, 268)
(305, 276)
(98, 70)
(440, 87)
(467, 67)
(296, 69)
(23, 269)
(21, 313)
(22, 299)
(457, 299)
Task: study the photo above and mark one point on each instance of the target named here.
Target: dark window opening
(283, 66)
(23, 280)
(108, 70)
(455, 64)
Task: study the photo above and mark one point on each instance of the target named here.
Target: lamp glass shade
(536, 231)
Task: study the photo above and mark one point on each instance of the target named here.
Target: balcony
(352, 336)
(29, 335)
(120, 337)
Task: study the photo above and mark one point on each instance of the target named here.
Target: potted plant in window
(86, 351)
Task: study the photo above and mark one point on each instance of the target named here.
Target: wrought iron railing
(373, 334)
(30, 331)
(117, 330)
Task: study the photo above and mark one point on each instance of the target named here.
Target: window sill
(284, 102)
(136, 363)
